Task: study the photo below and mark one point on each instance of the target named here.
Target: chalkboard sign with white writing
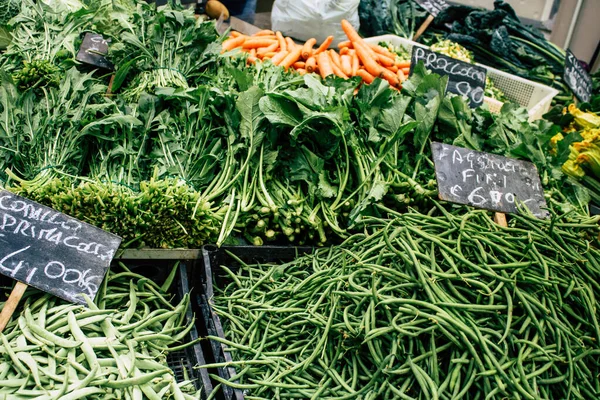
(52, 251)
(463, 78)
(433, 7)
(487, 181)
(577, 78)
(93, 51)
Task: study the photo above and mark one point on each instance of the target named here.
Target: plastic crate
(182, 362)
(210, 273)
(535, 97)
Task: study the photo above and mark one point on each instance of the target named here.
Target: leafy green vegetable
(194, 147)
(499, 39)
(5, 37)
(8, 10)
(168, 50)
(400, 17)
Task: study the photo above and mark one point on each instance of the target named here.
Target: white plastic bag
(305, 19)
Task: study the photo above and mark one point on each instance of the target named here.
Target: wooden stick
(500, 219)
(110, 84)
(11, 304)
(423, 27)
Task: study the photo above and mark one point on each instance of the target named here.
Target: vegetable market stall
(200, 142)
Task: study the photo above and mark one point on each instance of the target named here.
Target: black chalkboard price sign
(463, 78)
(487, 181)
(577, 78)
(93, 51)
(52, 251)
(433, 7)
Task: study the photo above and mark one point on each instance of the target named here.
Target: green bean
(499, 298)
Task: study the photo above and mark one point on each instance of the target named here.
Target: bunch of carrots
(355, 57)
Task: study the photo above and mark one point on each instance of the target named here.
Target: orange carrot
(324, 62)
(264, 50)
(252, 59)
(270, 54)
(299, 65)
(391, 77)
(335, 57)
(257, 43)
(394, 69)
(290, 44)
(347, 64)
(301, 71)
(385, 61)
(370, 64)
(351, 32)
(282, 44)
(344, 51)
(311, 64)
(383, 51)
(403, 64)
(401, 76)
(366, 77)
(356, 39)
(355, 63)
(307, 49)
(406, 70)
(230, 44)
(270, 37)
(279, 57)
(265, 32)
(346, 44)
(235, 34)
(324, 46)
(336, 69)
(291, 58)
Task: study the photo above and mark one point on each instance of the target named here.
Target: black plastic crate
(182, 362)
(209, 273)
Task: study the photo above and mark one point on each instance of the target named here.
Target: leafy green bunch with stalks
(166, 47)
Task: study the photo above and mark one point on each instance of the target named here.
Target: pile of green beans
(419, 306)
(113, 349)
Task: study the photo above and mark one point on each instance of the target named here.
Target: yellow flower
(573, 168)
(554, 142)
(584, 120)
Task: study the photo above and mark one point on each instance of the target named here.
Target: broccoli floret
(36, 74)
